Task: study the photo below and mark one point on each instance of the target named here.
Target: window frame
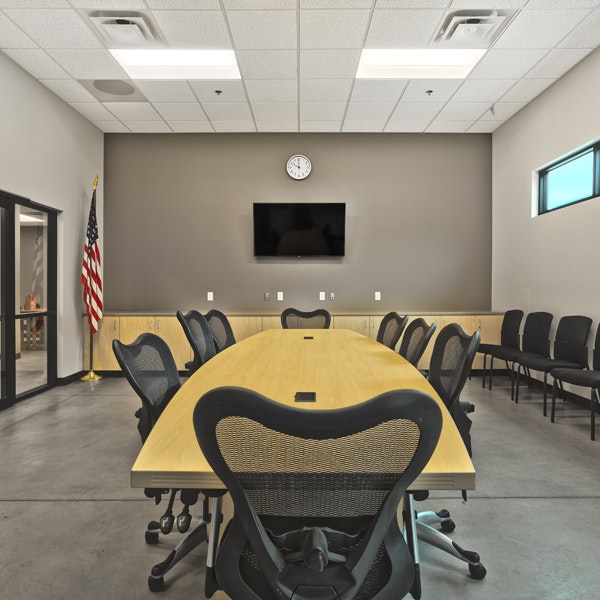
(545, 171)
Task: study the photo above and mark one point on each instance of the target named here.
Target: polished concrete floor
(72, 528)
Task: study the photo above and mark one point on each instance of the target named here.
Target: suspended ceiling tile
(463, 111)
(403, 28)
(194, 29)
(275, 111)
(307, 126)
(325, 90)
(363, 126)
(278, 90)
(206, 90)
(228, 111)
(166, 91)
(343, 4)
(526, 90)
(13, 37)
(260, 4)
(180, 111)
(506, 64)
(322, 111)
(260, 29)
(69, 90)
(120, 5)
(147, 126)
(557, 63)
(54, 28)
(545, 4)
(234, 126)
(585, 35)
(191, 126)
(406, 126)
(184, 4)
(37, 63)
(34, 4)
(133, 111)
(412, 3)
(88, 64)
(111, 126)
(484, 126)
(539, 28)
(487, 4)
(268, 64)
(416, 111)
(94, 111)
(483, 90)
(502, 111)
(277, 126)
(369, 111)
(441, 90)
(448, 126)
(328, 64)
(374, 90)
(333, 28)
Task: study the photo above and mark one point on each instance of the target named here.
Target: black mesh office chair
(315, 493)
(415, 339)
(200, 337)
(509, 342)
(220, 328)
(391, 328)
(450, 365)
(291, 318)
(150, 368)
(570, 352)
(583, 378)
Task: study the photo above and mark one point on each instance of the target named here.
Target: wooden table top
(341, 366)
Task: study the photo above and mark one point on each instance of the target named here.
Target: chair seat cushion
(581, 377)
(539, 363)
(498, 351)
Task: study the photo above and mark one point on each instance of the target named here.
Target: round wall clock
(298, 167)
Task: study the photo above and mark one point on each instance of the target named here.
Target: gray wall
(178, 221)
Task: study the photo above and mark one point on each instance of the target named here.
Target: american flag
(91, 273)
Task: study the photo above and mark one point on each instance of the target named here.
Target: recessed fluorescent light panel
(178, 64)
(427, 63)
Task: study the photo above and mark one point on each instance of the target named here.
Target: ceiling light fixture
(426, 63)
(178, 64)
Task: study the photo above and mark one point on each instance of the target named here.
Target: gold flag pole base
(91, 376)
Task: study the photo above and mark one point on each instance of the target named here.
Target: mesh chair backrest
(536, 333)
(451, 361)
(220, 328)
(571, 338)
(391, 329)
(292, 318)
(278, 461)
(415, 339)
(596, 353)
(511, 324)
(150, 368)
(199, 336)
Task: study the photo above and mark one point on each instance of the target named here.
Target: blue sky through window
(571, 181)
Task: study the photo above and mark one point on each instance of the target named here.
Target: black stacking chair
(582, 378)
(315, 492)
(391, 328)
(570, 352)
(291, 318)
(220, 328)
(415, 339)
(535, 341)
(509, 342)
(450, 365)
(150, 368)
(200, 337)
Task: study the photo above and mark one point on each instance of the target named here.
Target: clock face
(298, 167)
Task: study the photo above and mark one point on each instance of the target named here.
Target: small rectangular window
(570, 180)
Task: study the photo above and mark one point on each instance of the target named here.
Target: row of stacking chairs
(531, 352)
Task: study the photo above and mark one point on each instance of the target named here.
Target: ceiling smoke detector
(472, 28)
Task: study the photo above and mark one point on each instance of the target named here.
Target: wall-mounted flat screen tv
(299, 229)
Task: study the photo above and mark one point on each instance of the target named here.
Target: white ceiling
(298, 59)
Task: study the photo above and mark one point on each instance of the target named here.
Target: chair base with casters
(205, 529)
(418, 527)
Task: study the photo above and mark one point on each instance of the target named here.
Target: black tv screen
(299, 229)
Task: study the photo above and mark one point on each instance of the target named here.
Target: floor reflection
(31, 369)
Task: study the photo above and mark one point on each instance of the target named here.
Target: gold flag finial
(96, 182)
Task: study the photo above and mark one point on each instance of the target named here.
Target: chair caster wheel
(477, 571)
(156, 584)
(448, 525)
(151, 537)
(166, 523)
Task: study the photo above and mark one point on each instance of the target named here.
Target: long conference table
(340, 366)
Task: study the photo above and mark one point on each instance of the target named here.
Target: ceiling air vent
(125, 29)
(472, 28)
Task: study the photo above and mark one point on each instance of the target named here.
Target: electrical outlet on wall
(332, 296)
(209, 296)
(321, 295)
(279, 296)
(267, 296)
(377, 295)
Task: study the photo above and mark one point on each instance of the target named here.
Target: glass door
(27, 298)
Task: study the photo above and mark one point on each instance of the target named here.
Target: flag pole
(90, 375)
